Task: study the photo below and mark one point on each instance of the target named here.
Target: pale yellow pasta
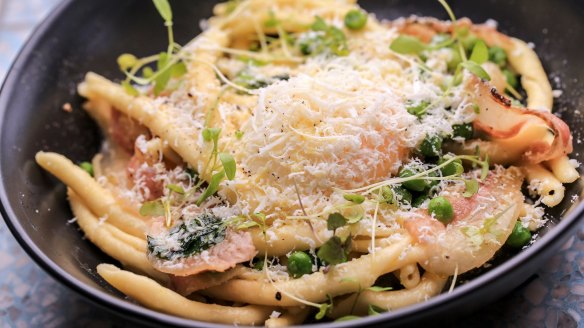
(341, 279)
(545, 184)
(533, 77)
(429, 286)
(99, 200)
(409, 276)
(290, 317)
(142, 289)
(127, 249)
(563, 169)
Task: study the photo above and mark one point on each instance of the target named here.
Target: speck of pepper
(278, 296)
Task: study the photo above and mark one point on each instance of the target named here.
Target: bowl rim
(560, 232)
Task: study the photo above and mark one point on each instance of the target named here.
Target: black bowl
(80, 36)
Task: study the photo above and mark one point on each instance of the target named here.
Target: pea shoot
(87, 167)
(441, 209)
(355, 19)
(299, 264)
(519, 237)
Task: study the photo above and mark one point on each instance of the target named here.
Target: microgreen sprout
(169, 64)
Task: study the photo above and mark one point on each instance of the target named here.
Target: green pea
(455, 60)
(442, 210)
(432, 183)
(299, 264)
(416, 184)
(453, 168)
(465, 131)
(87, 167)
(519, 237)
(511, 78)
(355, 19)
(498, 56)
(431, 146)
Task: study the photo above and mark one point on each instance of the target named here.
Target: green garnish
(327, 39)
(453, 168)
(519, 237)
(414, 184)
(176, 188)
(465, 131)
(378, 289)
(355, 198)
(480, 53)
(299, 264)
(152, 208)
(498, 56)
(407, 45)
(229, 165)
(431, 146)
(335, 221)
(87, 167)
(355, 19)
(472, 187)
(334, 250)
(418, 109)
(168, 64)
(238, 134)
(212, 188)
(347, 318)
(188, 238)
(375, 310)
(476, 70)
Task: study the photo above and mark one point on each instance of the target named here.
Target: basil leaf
(405, 44)
(472, 187)
(152, 208)
(164, 9)
(229, 165)
(335, 221)
(480, 53)
(477, 70)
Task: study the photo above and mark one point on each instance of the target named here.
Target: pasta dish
(302, 160)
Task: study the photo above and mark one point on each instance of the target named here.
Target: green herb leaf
(476, 69)
(355, 198)
(238, 134)
(129, 88)
(322, 311)
(480, 53)
(347, 318)
(87, 167)
(335, 221)
(419, 109)
(247, 225)
(152, 208)
(229, 165)
(164, 73)
(334, 251)
(353, 213)
(211, 134)
(379, 289)
(485, 168)
(176, 188)
(211, 188)
(472, 187)
(375, 310)
(127, 61)
(405, 44)
(179, 69)
(319, 24)
(164, 9)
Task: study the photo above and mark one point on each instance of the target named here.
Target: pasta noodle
(297, 157)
